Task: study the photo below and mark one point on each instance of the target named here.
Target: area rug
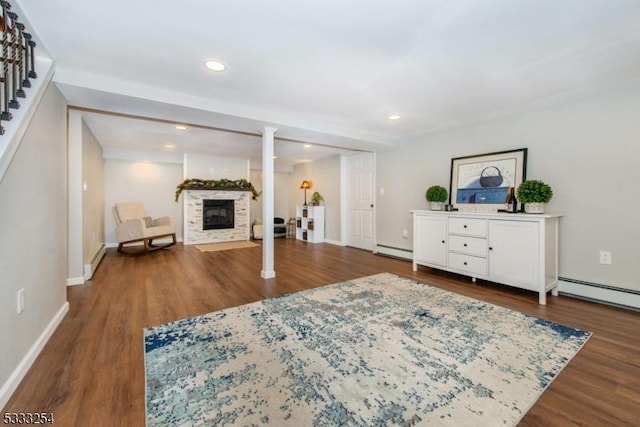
(380, 350)
(226, 245)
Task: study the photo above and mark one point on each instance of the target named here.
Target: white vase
(534, 208)
(436, 206)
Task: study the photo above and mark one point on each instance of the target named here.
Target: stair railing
(18, 62)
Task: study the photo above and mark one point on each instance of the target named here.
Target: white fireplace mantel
(193, 232)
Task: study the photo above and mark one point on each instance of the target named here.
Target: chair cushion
(130, 210)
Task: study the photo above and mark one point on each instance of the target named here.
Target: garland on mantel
(217, 184)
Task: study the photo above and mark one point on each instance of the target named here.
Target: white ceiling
(326, 72)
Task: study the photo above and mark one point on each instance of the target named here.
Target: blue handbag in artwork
(488, 178)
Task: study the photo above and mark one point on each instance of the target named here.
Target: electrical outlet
(605, 257)
(20, 301)
(405, 233)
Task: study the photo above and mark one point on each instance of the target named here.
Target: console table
(519, 250)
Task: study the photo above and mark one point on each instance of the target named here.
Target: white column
(268, 271)
(75, 268)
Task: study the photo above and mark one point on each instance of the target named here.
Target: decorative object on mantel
(306, 184)
(217, 184)
(534, 194)
(316, 198)
(436, 195)
(481, 182)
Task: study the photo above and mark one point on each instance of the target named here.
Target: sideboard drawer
(468, 264)
(468, 226)
(468, 245)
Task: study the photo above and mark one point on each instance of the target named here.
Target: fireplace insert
(218, 214)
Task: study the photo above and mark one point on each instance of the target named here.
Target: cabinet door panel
(430, 239)
(514, 253)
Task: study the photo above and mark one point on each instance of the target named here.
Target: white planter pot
(534, 208)
(436, 206)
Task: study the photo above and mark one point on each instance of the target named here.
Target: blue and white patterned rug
(380, 350)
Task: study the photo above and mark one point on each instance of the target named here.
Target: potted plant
(436, 196)
(316, 198)
(534, 194)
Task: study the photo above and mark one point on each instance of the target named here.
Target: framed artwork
(481, 182)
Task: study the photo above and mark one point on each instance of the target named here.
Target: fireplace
(218, 214)
(197, 220)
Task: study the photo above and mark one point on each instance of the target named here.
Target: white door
(360, 192)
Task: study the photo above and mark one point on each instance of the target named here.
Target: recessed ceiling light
(169, 146)
(307, 145)
(275, 157)
(394, 117)
(215, 65)
(181, 127)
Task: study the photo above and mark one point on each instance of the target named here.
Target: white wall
(86, 197)
(152, 178)
(93, 195)
(153, 183)
(211, 167)
(33, 226)
(325, 175)
(587, 150)
(75, 269)
(281, 195)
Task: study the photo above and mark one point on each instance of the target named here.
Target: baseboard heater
(92, 266)
(394, 252)
(597, 292)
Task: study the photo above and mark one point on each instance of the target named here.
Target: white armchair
(133, 225)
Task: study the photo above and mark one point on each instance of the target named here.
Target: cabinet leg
(542, 299)
(554, 291)
(415, 267)
(473, 279)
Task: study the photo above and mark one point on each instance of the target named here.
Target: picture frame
(481, 182)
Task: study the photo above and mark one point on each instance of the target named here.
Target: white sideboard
(519, 250)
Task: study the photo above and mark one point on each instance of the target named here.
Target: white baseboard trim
(10, 386)
(600, 293)
(394, 252)
(73, 281)
(334, 242)
(91, 267)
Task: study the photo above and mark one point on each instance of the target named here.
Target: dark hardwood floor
(91, 373)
